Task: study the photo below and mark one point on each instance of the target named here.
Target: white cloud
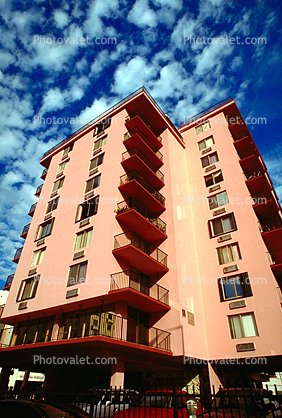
(142, 15)
(94, 26)
(6, 59)
(61, 18)
(53, 100)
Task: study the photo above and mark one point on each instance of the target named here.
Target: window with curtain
(44, 229)
(213, 178)
(203, 127)
(58, 184)
(87, 209)
(96, 161)
(67, 150)
(209, 159)
(243, 326)
(77, 274)
(62, 167)
(205, 143)
(28, 288)
(222, 225)
(38, 257)
(217, 200)
(228, 253)
(93, 183)
(100, 143)
(83, 239)
(234, 287)
(52, 205)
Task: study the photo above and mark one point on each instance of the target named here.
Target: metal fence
(161, 402)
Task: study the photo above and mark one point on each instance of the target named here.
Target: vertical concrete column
(4, 377)
(214, 379)
(50, 378)
(117, 374)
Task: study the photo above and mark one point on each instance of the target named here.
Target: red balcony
(32, 209)
(238, 129)
(17, 255)
(252, 165)
(135, 138)
(138, 218)
(272, 237)
(267, 213)
(137, 290)
(243, 142)
(44, 174)
(139, 253)
(258, 183)
(275, 257)
(25, 231)
(134, 159)
(136, 120)
(134, 185)
(38, 190)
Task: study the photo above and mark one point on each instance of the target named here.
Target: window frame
(60, 181)
(213, 176)
(52, 203)
(221, 218)
(242, 330)
(84, 239)
(38, 258)
(79, 210)
(230, 252)
(208, 157)
(101, 141)
(211, 199)
(246, 290)
(32, 291)
(198, 130)
(77, 274)
(66, 150)
(92, 180)
(99, 158)
(38, 235)
(102, 126)
(65, 164)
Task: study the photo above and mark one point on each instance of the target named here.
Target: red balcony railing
(44, 174)
(17, 255)
(140, 253)
(25, 231)
(141, 220)
(132, 280)
(126, 181)
(38, 190)
(8, 281)
(136, 138)
(135, 159)
(32, 209)
(137, 120)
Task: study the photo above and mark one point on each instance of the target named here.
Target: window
(52, 205)
(38, 257)
(213, 178)
(58, 184)
(243, 326)
(93, 183)
(28, 288)
(98, 144)
(104, 124)
(87, 209)
(44, 229)
(96, 161)
(67, 150)
(77, 274)
(222, 225)
(217, 200)
(209, 159)
(62, 167)
(83, 239)
(237, 286)
(203, 127)
(228, 253)
(205, 143)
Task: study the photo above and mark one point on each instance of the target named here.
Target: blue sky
(40, 80)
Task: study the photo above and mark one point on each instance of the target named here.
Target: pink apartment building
(155, 246)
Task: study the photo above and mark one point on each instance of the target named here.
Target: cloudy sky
(48, 72)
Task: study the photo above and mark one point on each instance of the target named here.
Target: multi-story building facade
(155, 246)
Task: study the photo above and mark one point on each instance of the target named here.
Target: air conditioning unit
(93, 171)
(49, 216)
(245, 347)
(212, 167)
(32, 271)
(230, 268)
(40, 242)
(96, 151)
(22, 305)
(71, 293)
(239, 304)
(88, 195)
(212, 189)
(84, 222)
(219, 211)
(207, 150)
(224, 238)
(78, 255)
